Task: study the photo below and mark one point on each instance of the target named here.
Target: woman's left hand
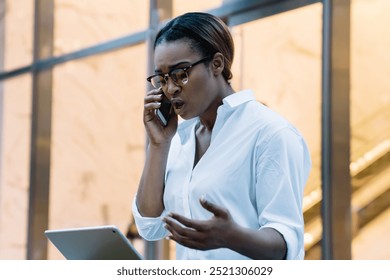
(201, 234)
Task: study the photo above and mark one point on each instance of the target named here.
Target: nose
(171, 88)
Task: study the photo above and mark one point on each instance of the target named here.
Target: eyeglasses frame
(185, 69)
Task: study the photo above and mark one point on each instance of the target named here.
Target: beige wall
(80, 24)
(279, 57)
(98, 140)
(15, 127)
(370, 72)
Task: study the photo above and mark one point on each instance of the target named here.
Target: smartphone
(164, 112)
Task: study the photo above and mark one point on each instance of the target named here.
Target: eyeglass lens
(178, 76)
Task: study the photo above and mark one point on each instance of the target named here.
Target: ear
(217, 64)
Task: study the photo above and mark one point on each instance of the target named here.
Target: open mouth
(177, 104)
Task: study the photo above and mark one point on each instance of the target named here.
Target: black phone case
(164, 112)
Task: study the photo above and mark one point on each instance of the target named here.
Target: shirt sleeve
(149, 228)
(282, 169)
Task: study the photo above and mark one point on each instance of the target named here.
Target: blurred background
(72, 142)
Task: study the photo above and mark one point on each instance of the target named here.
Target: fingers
(176, 229)
(198, 225)
(188, 237)
(190, 243)
(194, 224)
(155, 91)
(213, 208)
(153, 100)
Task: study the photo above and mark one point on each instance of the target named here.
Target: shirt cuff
(149, 228)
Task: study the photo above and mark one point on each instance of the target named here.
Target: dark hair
(206, 34)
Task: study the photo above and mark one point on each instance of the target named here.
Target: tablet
(93, 243)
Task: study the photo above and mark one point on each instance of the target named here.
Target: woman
(226, 182)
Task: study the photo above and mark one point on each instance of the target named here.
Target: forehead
(167, 54)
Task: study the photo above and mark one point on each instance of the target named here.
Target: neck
(207, 120)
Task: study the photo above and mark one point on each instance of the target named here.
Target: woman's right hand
(157, 133)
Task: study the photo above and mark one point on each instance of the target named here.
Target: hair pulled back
(206, 34)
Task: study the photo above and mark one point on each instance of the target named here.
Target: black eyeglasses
(179, 76)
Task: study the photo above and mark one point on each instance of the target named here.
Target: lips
(177, 104)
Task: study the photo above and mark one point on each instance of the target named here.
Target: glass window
(80, 24)
(279, 58)
(15, 165)
(18, 29)
(183, 6)
(98, 139)
(370, 127)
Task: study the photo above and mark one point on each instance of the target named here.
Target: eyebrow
(171, 67)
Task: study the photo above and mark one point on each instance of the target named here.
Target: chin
(186, 117)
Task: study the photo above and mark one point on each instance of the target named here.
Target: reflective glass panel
(80, 24)
(183, 6)
(98, 139)
(15, 125)
(370, 128)
(279, 58)
(16, 22)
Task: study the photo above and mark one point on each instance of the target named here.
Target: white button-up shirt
(256, 166)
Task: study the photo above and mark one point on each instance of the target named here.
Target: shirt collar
(229, 103)
(238, 98)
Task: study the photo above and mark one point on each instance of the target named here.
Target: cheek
(199, 89)
(202, 80)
